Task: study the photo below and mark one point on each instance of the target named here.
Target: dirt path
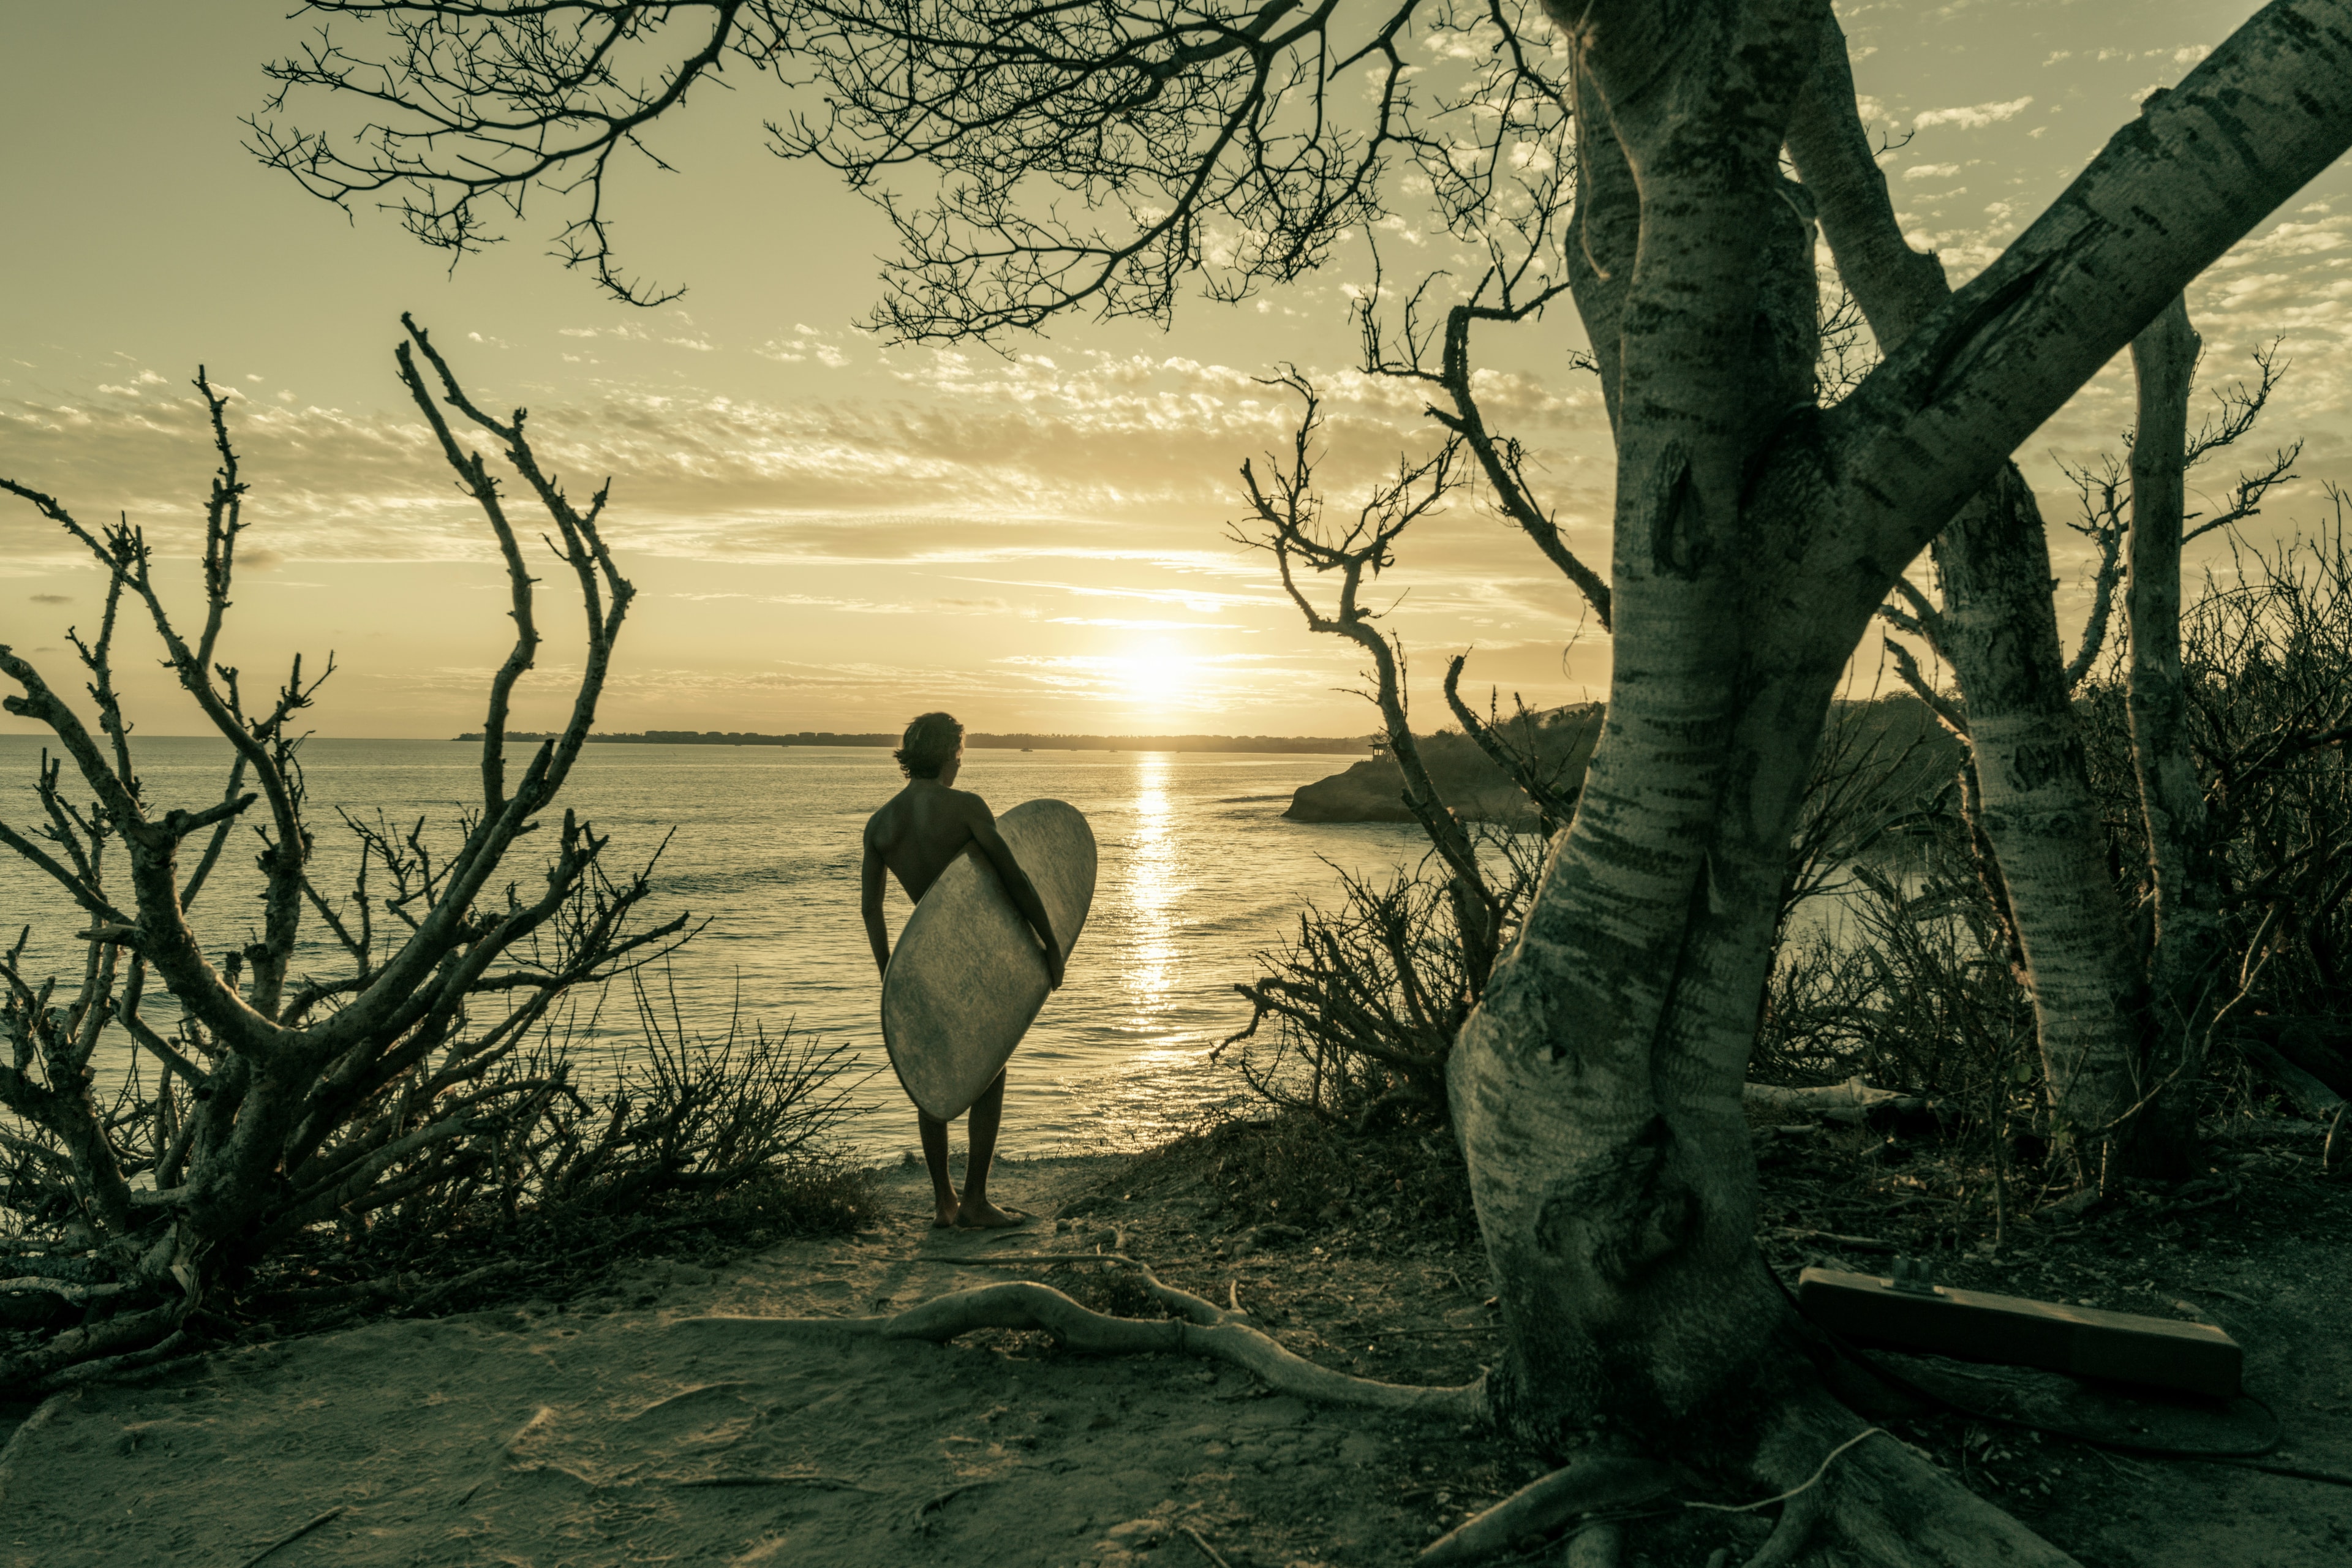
(616, 1430)
(621, 1431)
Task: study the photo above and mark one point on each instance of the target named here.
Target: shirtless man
(917, 836)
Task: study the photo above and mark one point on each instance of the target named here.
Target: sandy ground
(618, 1430)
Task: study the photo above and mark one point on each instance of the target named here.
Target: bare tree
(1596, 1089)
(2126, 1010)
(2028, 790)
(1287, 513)
(286, 1099)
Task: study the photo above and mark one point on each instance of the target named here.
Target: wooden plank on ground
(1975, 1325)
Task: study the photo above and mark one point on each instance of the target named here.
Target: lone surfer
(916, 836)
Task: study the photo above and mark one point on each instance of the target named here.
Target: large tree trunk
(1596, 1088)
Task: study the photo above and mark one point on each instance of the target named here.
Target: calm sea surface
(1198, 873)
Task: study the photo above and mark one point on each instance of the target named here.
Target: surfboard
(967, 977)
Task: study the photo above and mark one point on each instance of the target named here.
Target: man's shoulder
(887, 812)
(969, 804)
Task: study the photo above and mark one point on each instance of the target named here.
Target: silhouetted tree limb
(288, 1100)
(1288, 511)
(1087, 158)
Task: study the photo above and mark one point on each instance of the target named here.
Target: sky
(828, 532)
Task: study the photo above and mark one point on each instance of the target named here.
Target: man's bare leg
(935, 1155)
(976, 1212)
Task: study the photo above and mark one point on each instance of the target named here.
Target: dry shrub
(386, 1056)
(1367, 999)
(1914, 993)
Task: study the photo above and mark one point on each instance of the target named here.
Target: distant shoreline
(1352, 745)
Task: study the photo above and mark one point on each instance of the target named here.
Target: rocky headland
(1477, 790)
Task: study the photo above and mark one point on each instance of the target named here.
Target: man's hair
(931, 743)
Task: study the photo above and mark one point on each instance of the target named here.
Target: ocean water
(1198, 873)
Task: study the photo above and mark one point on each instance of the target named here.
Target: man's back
(921, 830)
(917, 835)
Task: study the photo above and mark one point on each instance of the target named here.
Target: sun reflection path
(1156, 1051)
(1152, 887)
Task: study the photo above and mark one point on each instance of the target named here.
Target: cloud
(1974, 117)
(1142, 625)
(968, 461)
(1931, 170)
(864, 606)
(53, 598)
(1198, 602)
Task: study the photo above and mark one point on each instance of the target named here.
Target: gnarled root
(1792, 1532)
(1205, 1328)
(1881, 1503)
(1592, 1484)
(109, 1345)
(1855, 1488)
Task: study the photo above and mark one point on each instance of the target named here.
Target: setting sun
(1160, 676)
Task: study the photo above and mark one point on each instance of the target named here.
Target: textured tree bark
(1596, 1088)
(2183, 988)
(2032, 800)
(2037, 811)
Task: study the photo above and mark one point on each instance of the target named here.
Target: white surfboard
(968, 977)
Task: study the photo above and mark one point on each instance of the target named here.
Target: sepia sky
(830, 532)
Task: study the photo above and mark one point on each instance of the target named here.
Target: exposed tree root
(111, 1340)
(1599, 1545)
(169, 1346)
(1206, 1330)
(1878, 1499)
(1590, 1484)
(1875, 1501)
(1881, 1503)
(1792, 1532)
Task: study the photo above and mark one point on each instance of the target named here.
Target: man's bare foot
(979, 1213)
(944, 1216)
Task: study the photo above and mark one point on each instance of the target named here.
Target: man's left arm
(1016, 882)
(869, 899)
